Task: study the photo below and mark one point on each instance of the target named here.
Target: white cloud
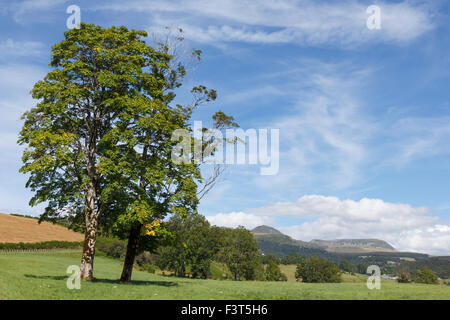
(235, 219)
(304, 22)
(324, 138)
(31, 7)
(10, 48)
(405, 227)
(415, 138)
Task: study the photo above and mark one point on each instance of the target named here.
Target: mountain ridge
(335, 245)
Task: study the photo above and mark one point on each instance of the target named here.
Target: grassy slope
(42, 276)
(18, 229)
(289, 271)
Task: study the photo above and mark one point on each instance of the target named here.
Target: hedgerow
(41, 245)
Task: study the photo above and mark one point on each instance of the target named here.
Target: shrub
(273, 272)
(403, 277)
(111, 247)
(116, 250)
(427, 276)
(149, 268)
(145, 258)
(316, 270)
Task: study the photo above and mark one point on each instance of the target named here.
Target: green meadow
(43, 275)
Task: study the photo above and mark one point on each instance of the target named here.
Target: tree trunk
(131, 254)
(87, 260)
(182, 269)
(90, 237)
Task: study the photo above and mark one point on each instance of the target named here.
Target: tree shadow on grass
(46, 277)
(138, 282)
(111, 281)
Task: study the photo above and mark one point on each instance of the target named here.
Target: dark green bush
(273, 272)
(149, 268)
(316, 270)
(144, 258)
(425, 275)
(113, 248)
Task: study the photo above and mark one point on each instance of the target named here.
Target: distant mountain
(356, 251)
(352, 244)
(270, 239)
(265, 230)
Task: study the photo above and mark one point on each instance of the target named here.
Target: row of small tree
(424, 275)
(194, 243)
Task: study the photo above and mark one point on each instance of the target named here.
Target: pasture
(42, 275)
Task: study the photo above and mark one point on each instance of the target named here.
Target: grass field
(17, 229)
(42, 276)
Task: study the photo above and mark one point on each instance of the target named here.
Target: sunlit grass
(43, 276)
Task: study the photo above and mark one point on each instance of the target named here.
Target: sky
(363, 114)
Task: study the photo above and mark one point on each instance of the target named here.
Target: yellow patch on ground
(17, 229)
(407, 259)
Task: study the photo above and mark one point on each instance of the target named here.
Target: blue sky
(364, 115)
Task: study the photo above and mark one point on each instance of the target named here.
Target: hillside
(349, 245)
(265, 230)
(270, 238)
(19, 229)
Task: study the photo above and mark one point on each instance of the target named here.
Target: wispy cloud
(11, 48)
(418, 138)
(303, 22)
(22, 9)
(325, 136)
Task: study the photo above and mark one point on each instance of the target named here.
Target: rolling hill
(15, 229)
(269, 236)
(354, 245)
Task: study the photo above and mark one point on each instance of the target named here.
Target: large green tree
(240, 253)
(154, 185)
(193, 242)
(313, 269)
(100, 77)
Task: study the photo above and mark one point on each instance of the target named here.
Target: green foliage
(439, 265)
(315, 270)
(193, 243)
(240, 253)
(362, 268)
(149, 268)
(427, 276)
(344, 265)
(265, 259)
(112, 247)
(96, 79)
(273, 272)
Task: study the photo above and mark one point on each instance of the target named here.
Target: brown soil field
(18, 229)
